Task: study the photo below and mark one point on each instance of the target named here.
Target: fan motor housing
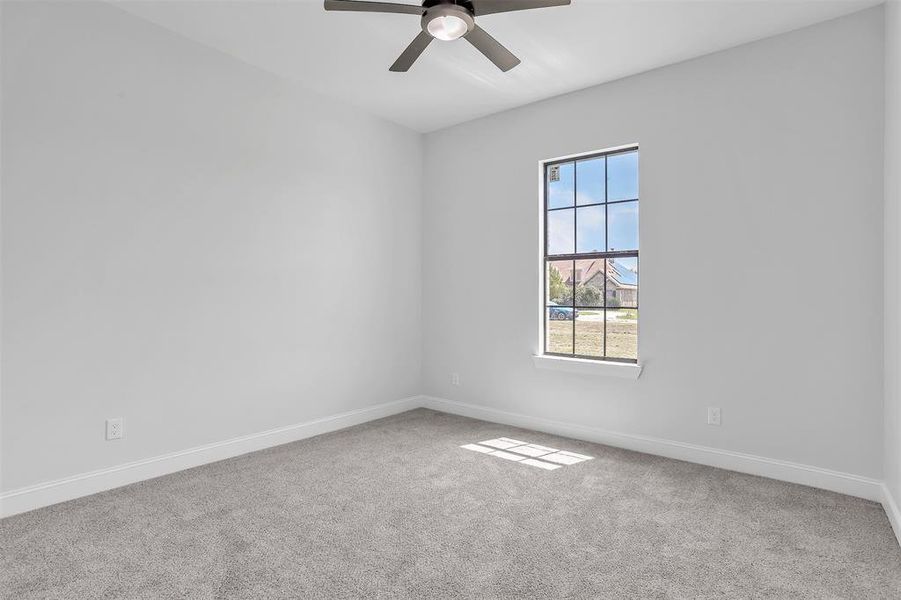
(464, 3)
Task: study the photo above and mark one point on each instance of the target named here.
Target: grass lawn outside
(622, 336)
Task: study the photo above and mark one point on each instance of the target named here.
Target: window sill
(587, 367)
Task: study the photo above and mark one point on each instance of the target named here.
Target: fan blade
(487, 7)
(492, 49)
(381, 7)
(409, 56)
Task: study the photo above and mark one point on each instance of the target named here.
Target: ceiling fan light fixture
(447, 28)
(447, 22)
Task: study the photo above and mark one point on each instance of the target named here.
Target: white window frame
(578, 365)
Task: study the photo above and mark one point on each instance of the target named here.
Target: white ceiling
(346, 55)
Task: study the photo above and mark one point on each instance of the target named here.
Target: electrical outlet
(115, 428)
(455, 378)
(713, 415)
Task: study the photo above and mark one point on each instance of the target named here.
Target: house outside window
(590, 258)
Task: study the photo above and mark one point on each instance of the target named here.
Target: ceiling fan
(449, 20)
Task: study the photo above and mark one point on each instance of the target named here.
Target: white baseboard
(843, 483)
(60, 490)
(892, 509)
(68, 488)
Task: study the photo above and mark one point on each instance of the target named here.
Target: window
(590, 265)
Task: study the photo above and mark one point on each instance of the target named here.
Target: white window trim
(582, 366)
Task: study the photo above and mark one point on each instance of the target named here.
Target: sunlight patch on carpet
(525, 453)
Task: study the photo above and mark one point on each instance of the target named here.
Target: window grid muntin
(588, 255)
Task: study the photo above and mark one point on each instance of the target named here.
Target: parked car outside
(561, 313)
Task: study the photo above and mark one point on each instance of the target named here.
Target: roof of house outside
(588, 269)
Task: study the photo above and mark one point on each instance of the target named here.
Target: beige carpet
(396, 509)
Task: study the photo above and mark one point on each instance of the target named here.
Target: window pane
(588, 279)
(622, 228)
(591, 179)
(559, 331)
(561, 192)
(589, 326)
(622, 333)
(622, 282)
(590, 232)
(592, 303)
(622, 176)
(559, 285)
(560, 231)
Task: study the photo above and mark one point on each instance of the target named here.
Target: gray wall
(761, 168)
(202, 248)
(190, 243)
(892, 256)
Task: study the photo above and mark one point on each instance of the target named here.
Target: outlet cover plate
(115, 428)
